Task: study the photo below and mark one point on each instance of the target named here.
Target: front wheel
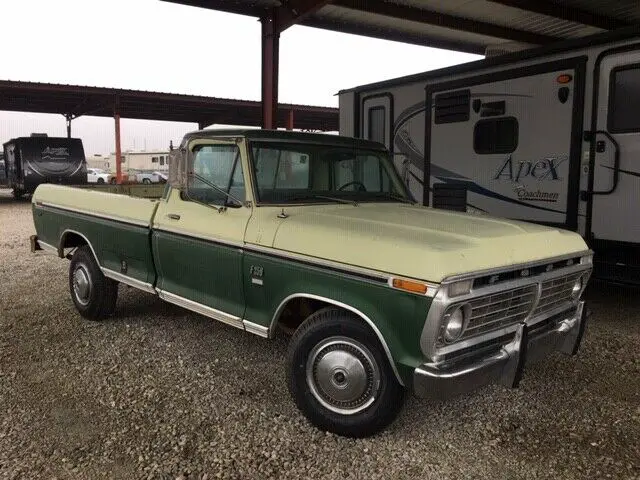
(93, 294)
(340, 377)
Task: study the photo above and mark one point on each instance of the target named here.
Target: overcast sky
(159, 46)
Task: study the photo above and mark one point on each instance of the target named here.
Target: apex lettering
(546, 169)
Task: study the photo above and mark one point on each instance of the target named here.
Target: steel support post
(68, 117)
(270, 51)
(290, 120)
(118, 150)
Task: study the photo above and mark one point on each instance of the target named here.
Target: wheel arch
(301, 295)
(72, 238)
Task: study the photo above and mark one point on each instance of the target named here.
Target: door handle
(173, 216)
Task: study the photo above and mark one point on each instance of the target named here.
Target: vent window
(452, 107)
(499, 135)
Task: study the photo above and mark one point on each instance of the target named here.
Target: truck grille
(499, 310)
(555, 293)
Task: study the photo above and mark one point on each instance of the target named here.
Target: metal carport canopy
(74, 101)
(473, 26)
(462, 25)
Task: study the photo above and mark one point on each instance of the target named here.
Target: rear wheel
(146, 181)
(17, 193)
(340, 377)
(101, 180)
(93, 294)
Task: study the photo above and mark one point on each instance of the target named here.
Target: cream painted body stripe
(94, 214)
(360, 271)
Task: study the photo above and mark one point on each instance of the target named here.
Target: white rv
(548, 135)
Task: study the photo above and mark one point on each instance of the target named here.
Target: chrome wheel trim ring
(343, 375)
(82, 285)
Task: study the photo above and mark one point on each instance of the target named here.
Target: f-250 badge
(256, 273)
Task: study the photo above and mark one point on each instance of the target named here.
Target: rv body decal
(546, 168)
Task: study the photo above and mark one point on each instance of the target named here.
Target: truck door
(615, 152)
(377, 118)
(197, 245)
(512, 139)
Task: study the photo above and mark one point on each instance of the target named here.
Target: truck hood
(418, 242)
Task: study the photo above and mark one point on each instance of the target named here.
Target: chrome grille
(499, 310)
(556, 293)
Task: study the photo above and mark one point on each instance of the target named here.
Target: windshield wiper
(335, 199)
(400, 198)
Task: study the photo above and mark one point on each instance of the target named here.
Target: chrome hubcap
(82, 285)
(343, 375)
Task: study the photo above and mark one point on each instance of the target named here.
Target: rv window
(499, 135)
(377, 124)
(624, 100)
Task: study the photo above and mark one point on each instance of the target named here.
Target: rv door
(377, 118)
(615, 150)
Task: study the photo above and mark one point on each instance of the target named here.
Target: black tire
(375, 408)
(97, 299)
(100, 181)
(146, 181)
(18, 194)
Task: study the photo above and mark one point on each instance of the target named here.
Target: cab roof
(287, 136)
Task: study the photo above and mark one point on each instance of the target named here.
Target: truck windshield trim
(301, 173)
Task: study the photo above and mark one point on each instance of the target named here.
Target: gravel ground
(158, 392)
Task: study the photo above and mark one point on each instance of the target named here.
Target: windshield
(292, 173)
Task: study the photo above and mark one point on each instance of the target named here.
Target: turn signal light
(410, 286)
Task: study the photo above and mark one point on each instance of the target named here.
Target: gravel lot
(159, 392)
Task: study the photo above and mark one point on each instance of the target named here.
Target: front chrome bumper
(505, 365)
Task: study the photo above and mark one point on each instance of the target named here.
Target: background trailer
(30, 161)
(549, 135)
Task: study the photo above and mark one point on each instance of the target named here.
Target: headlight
(455, 322)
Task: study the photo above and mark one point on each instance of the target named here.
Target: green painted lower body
(118, 246)
(242, 282)
(398, 315)
(204, 272)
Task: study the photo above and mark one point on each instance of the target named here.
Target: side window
(217, 165)
(377, 125)
(498, 135)
(624, 100)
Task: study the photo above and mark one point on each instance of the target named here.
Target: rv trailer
(30, 161)
(548, 135)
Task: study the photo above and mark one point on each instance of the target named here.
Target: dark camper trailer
(548, 135)
(30, 161)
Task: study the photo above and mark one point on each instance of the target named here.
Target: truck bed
(116, 226)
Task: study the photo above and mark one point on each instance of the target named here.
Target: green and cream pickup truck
(316, 236)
